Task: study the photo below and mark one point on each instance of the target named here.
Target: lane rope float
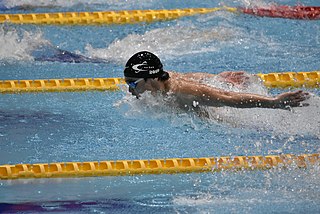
(272, 80)
(155, 166)
(136, 16)
(309, 79)
(60, 85)
(106, 17)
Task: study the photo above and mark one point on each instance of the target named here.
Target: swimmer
(144, 72)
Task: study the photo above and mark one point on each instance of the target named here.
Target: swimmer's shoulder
(190, 74)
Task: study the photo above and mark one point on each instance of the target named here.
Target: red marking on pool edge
(282, 11)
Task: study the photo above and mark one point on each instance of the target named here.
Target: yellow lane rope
(271, 80)
(291, 79)
(106, 17)
(60, 85)
(155, 166)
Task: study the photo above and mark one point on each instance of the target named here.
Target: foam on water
(274, 120)
(167, 42)
(256, 3)
(19, 45)
(185, 38)
(28, 46)
(253, 190)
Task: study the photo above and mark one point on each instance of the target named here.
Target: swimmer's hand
(291, 99)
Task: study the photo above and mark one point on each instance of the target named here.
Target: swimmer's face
(135, 85)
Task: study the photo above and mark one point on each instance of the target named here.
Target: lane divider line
(156, 166)
(107, 17)
(271, 80)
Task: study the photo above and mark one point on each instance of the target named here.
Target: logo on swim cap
(143, 65)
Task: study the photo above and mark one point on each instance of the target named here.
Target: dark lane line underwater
(50, 53)
(58, 55)
(107, 205)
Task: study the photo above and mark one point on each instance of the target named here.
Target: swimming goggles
(133, 84)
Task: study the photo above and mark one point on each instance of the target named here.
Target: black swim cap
(144, 65)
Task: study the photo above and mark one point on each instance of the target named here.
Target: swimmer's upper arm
(203, 94)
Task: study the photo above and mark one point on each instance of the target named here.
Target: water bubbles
(195, 104)
(258, 144)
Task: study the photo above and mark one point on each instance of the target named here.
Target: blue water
(93, 126)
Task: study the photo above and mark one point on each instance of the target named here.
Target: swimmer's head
(145, 65)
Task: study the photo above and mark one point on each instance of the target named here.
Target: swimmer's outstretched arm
(282, 101)
(215, 97)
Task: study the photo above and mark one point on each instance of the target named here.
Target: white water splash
(251, 189)
(297, 121)
(19, 45)
(157, 108)
(166, 43)
(256, 3)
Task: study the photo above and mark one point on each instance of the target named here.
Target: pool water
(93, 126)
